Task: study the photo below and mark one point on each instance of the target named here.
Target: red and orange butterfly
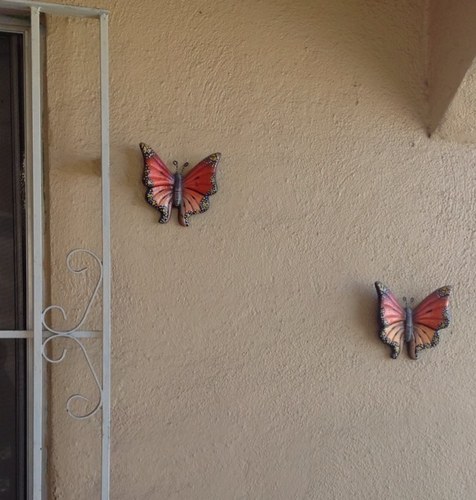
(419, 327)
(189, 193)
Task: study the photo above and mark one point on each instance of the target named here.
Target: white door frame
(38, 331)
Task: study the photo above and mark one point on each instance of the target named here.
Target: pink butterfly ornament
(190, 193)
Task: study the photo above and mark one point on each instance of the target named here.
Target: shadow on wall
(365, 307)
(417, 51)
(452, 40)
(133, 177)
(386, 39)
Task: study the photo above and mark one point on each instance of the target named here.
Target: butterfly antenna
(185, 165)
(175, 162)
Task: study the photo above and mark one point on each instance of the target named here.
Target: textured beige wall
(458, 124)
(451, 72)
(246, 363)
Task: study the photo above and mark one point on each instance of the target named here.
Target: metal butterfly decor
(189, 193)
(418, 327)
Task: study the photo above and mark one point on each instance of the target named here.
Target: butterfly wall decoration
(419, 327)
(189, 193)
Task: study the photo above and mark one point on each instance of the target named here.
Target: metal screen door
(32, 326)
(12, 272)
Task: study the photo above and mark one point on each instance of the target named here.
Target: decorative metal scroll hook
(91, 369)
(91, 300)
(68, 334)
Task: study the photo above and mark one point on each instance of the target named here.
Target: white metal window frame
(38, 332)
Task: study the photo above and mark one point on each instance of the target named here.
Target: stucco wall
(245, 357)
(451, 70)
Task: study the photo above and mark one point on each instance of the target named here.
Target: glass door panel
(12, 271)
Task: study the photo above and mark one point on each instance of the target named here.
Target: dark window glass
(12, 271)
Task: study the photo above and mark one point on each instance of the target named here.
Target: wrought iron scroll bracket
(69, 334)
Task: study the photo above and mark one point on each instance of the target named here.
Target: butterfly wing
(198, 185)
(159, 183)
(429, 317)
(391, 319)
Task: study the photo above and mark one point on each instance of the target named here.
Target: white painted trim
(52, 8)
(33, 137)
(28, 334)
(37, 255)
(29, 253)
(15, 24)
(106, 259)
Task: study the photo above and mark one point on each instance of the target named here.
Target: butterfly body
(408, 324)
(419, 327)
(178, 187)
(189, 193)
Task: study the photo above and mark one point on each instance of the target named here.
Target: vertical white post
(106, 256)
(37, 175)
